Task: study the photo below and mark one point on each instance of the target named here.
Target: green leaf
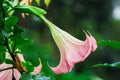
(19, 41)
(1, 38)
(30, 52)
(37, 1)
(26, 76)
(29, 76)
(28, 66)
(17, 38)
(31, 10)
(40, 77)
(47, 2)
(2, 54)
(5, 33)
(10, 21)
(116, 64)
(9, 61)
(114, 44)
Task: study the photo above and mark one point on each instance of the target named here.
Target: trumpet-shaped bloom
(8, 74)
(71, 49)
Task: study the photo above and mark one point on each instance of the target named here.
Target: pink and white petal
(37, 69)
(63, 66)
(6, 75)
(17, 74)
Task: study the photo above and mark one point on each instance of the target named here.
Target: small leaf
(28, 66)
(40, 77)
(19, 41)
(37, 1)
(30, 9)
(9, 61)
(29, 76)
(47, 2)
(5, 34)
(114, 44)
(17, 38)
(26, 76)
(10, 21)
(116, 64)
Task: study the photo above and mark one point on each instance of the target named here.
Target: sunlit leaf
(30, 9)
(116, 64)
(8, 4)
(37, 1)
(47, 2)
(114, 44)
(28, 66)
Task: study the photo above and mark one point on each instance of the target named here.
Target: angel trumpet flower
(71, 49)
(9, 73)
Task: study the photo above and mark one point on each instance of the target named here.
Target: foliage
(12, 40)
(114, 44)
(116, 64)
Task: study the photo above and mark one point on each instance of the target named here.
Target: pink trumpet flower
(71, 49)
(8, 74)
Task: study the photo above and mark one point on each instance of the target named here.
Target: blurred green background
(100, 17)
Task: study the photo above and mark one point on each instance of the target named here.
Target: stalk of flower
(10, 71)
(71, 49)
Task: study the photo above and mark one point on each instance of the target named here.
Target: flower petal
(38, 68)
(7, 74)
(71, 49)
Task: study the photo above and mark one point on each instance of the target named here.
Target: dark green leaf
(9, 61)
(30, 9)
(19, 40)
(28, 66)
(18, 30)
(116, 64)
(26, 76)
(2, 54)
(30, 52)
(114, 44)
(1, 38)
(10, 21)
